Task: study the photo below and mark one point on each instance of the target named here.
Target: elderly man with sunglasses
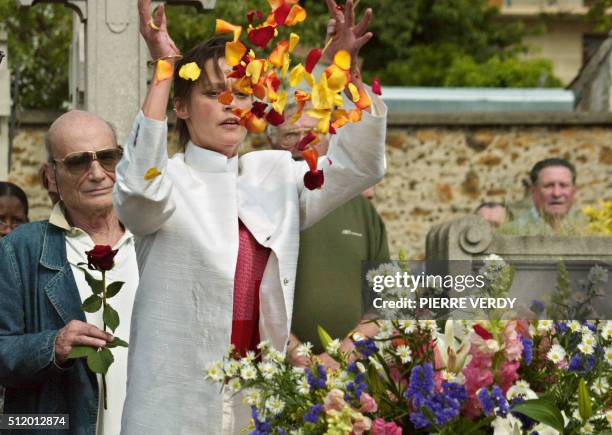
(42, 286)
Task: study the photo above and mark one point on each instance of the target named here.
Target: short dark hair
(213, 48)
(547, 163)
(489, 204)
(10, 189)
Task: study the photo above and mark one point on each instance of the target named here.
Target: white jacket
(186, 226)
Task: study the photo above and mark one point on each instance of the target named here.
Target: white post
(5, 108)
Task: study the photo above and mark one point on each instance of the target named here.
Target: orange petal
(152, 173)
(222, 26)
(342, 59)
(296, 15)
(163, 71)
(364, 100)
(226, 97)
(276, 57)
(311, 156)
(301, 96)
(234, 52)
(259, 90)
(243, 84)
(355, 115)
(255, 124)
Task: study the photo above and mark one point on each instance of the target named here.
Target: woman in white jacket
(217, 234)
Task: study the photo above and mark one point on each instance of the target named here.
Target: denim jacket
(39, 296)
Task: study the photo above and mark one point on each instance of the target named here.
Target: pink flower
(334, 400)
(513, 347)
(361, 425)
(478, 373)
(381, 427)
(507, 374)
(368, 404)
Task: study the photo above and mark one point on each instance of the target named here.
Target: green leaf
(584, 401)
(99, 362)
(113, 289)
(324, 336)
(81, 351)
(94, 284)
(110, 317)
(117, 342)
(543, 411)
(92, 304)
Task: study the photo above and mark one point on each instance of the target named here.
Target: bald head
(74, 130)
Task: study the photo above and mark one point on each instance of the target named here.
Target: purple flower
(262, 427)
(421, 385)
(561, 327)
(527, 350)
(485, 401)
(488, 401)
(582, 363)
(320, 380)
(366, 347)
(313, 414)
(502, 403)
(537, 306)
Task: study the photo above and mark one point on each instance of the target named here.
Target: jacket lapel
(60, 287)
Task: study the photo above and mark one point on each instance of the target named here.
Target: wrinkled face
(494, 215)
(554, 193)
(12, 214)
(288, 136)
(87, 189)
(211, 124)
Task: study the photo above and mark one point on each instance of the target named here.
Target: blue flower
(502, 403)
(561, 327)
(313, 414)
(320, 380)
(590, 326)
(366, 347)
(421, 385)
(526, 422)
(527, 350)
(485, 401)
(262, 427)
(582, 363)
(488, 401)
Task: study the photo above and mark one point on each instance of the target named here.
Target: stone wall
(440, 166)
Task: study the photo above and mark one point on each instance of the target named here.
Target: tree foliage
(416, 43)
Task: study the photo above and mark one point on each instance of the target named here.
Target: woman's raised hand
(155, 32)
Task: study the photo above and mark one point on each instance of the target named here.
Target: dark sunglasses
(79, 162)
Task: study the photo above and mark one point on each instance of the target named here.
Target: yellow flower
(190, 71)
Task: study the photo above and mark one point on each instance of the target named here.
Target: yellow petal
(279, 105)
(342, 59)
(309, 78)
(296, 74)
(337, 81)
(234, 52)
(222, 26)
(286, 62)
(163, 71)
(190, 71)
(294, 38)
(323, 125)
(317, 114)
(296, 15)
(338, 100)
(254, 70)
(354, 92)
(152, 173)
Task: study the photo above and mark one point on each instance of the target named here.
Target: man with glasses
(328, 282)
(42, 286)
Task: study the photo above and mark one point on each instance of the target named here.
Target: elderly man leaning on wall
(42, 287)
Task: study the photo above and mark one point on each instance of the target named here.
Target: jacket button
(285, 281)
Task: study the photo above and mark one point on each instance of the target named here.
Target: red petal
(313, 57)
(254, 13)
(306, 140)
(281, 13)
(332, 130)
(274, 118)
(261, 36)
(273, 80)
(376, 86)
(484, 334)
(313, 180)
(258, 109)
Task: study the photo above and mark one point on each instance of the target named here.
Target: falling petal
(234, 52)
(254, 70)
(163, 71)
(342, 59)
(296, 16)
(151, 173)
(273, 81)
(311, 156)
(190, 71)
(259, 90)
(336, 81)
(255, 124)
(261, 36)
(313, 180)
(226, 97)
(286, 63)
(295, 76)
(276, 57)
(309, 78)
(376, 86)
(274, 118)
(254, 14)
(281, 13)
(332, 130)
(279, 104)
(364, 100)
(323, 125)
(294, 39)
(222, 26)
(258, 109)
(354, 92)
(243, 85)
(355, 115)
(313, 57)
(338, 100)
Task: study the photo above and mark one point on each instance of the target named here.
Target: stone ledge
(467, 119)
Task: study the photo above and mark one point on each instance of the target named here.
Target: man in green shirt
(328, 290)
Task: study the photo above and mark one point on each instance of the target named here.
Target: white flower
(600, 386)
(303, 387)
(361, 367)
(544, 429)
(404, 353)
(457, 378)
(606, 331)
(333, 382)
(608, 354)
(234, 384)
(585, 348)
(574, 325)
(589, 338)
(249, 357)
(587, 428)
(545, 325)
(385, 328)
(231, 367)
(609, 417)
(230, 350)
(268, 370)
(252, 397)
(556, 353)
(264, 345)
(214, 371)
(371, 274)
(275, 355)
(408, 326)
(248, 372)
(377, 366)
(521, 389)
(304, 350)
(506, 426)
(275, 405)
(493, 258)
(333, 347)
(429, 324)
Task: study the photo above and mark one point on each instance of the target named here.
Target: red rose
(101, 257)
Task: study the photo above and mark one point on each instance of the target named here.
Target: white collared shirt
(126, 270)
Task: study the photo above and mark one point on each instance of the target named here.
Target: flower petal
(279, 104)
(226, 97)
(259, 90)
(255, 124)
(311, 156)
(274, 118)
(281, 13)
(163, 71)
(276, 57)
(222, 26)
(296, 16)
(342, 59)
(364, 100)
(296, 74)
(234, 52)
(311, 136)
(258, 109)
(355, 115)
(337, 80)
(152, 173)
(354, 92)
(313, 57)
(254, 70)
(294, 39)
(376, 86)
(261, 36)
(190, 71)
